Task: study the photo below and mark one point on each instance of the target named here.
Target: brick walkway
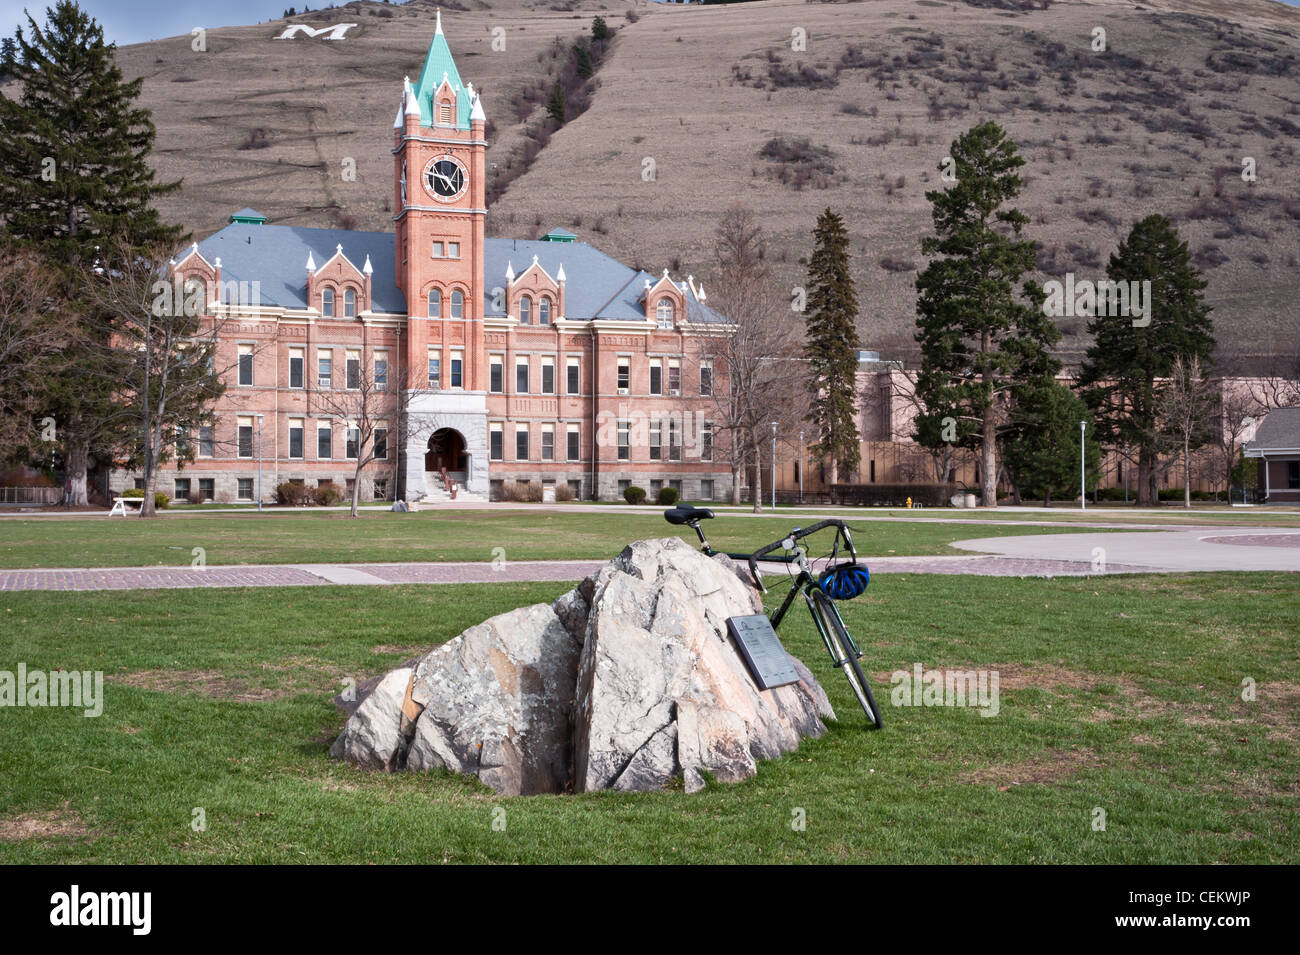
(314, 575)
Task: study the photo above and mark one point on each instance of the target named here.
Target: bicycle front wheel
(842, 649)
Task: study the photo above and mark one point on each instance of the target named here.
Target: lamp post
(773, 465)
(259, 461)
(800, 467)
(1083, 469)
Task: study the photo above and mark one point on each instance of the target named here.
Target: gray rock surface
(625, 682)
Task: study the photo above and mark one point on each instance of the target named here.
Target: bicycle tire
(839, 636)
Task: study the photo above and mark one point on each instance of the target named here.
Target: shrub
(634, 495)
(668, 496)
(522, 491)
(326, 495)
(564, 492)
(293, 495)
(160, 500)
(196, 497)
(893, 495)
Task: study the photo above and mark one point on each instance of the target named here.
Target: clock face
(445, 178)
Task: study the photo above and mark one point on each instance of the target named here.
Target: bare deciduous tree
(1186, 413)
(31, 333)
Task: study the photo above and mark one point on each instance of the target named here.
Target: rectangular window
(521, 442)
(521, 376)
(674, 440)
(1292, 474)
(324, 442)
(208, 488)
(656, 432)
(706, 377)
(548, 442)
(381, 371)
(575, 442)
(245, 489)
(495, 443)
(207, 442)
(295, 438)
(624, 448)
(706, 441)
(576, 488)
(437, 250)
(296, 364)
(656, 377)
(623, 485)
(624, 375)
(245, 364)
(453, 250)
(573, 376)
(457, 369)
(245, 437)
(496, 374)
(548, 376)
(353, 371)
(674, 376)
(435, 368)
(182, 489)
(381, 489)
(352, 443)
(706, 490)
(381, 443)
(324, 367)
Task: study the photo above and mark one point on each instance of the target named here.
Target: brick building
(495, 359)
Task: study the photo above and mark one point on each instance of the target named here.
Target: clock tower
(439, 198)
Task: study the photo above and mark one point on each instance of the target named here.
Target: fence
(30, 495)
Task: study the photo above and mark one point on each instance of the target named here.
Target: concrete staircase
(437, 495)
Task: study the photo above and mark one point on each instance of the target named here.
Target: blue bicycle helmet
(844, 581)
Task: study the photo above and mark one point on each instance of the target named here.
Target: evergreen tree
(8, 56)
(979, 338)
(555, 105)
(582, 61)
(1121, 375)
(831, 348)
(600, 30)
(1041, 448)
(74, 178)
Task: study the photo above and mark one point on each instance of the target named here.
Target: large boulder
(625, 682)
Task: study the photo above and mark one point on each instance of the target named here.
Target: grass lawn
(1118, 693)
(334, 537)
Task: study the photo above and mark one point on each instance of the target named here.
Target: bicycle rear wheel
(846, 659)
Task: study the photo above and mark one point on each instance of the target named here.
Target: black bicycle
(839, 579)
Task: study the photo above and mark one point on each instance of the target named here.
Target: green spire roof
(439, 65)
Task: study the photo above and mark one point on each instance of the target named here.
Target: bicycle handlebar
(796, 535)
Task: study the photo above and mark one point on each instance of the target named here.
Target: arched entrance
(447, 450)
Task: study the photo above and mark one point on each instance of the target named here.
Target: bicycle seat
(685, 514)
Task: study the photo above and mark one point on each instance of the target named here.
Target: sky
(134, 21)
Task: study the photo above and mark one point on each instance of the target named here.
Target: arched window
(544, 311)
(435, 303)
(327, 303)
(349, 303)
(665, 313)
(457, 304)
(525, 311)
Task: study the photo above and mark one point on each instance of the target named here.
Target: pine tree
(73, 180)
(8, 56)
(582, 61)
(1041, 448)
(600, 30)
(73, 153)
(831, 348)
(555, 105)
(979, 339)
(1122, 371)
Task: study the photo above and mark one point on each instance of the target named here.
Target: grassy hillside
(727, 111)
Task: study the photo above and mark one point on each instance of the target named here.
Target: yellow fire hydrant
(909, 502)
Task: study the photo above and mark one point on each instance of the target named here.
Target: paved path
(1193, 549)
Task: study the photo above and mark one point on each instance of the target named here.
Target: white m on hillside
(337, 32)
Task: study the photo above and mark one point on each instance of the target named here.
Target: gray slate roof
(597, 286)
(1279, 429)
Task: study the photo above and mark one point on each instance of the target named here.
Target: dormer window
(435, 303)
(664, 313)
(525, 311)
(327, 303)
(349, 303)
(445, 113)
(544, 311)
